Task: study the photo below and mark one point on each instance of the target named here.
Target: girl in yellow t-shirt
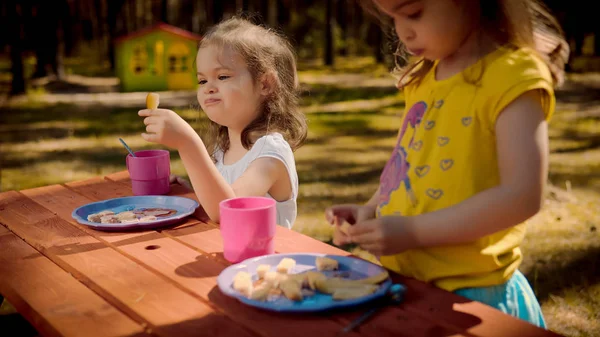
(471, 157)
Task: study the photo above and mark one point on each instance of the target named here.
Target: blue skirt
(514, 297)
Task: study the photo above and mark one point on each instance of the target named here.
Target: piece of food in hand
(354, 292)
(325, 263)
(286, 265)
(291, 289)
(262, 269)
(96, 216)
(152, 101)
(344, 227)
(242, 282)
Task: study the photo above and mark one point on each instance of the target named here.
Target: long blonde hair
(265, 52)
(519, 23)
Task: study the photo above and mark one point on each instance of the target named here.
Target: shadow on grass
(68, 120)
(581, 270)
(90, 157)
(324, 93)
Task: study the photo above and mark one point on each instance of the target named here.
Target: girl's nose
(210, 89)
(405, 32)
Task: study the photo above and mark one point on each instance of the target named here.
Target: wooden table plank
(179, 262)
(194, 271)
(141, 294)
(55, 302)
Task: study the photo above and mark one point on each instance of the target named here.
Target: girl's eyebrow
(399, 6)
(214, 70)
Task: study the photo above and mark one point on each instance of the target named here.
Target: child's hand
(166, 127)
(343, 215)
(386, 235)
(173, 179)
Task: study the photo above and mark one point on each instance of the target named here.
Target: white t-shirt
(274, 146)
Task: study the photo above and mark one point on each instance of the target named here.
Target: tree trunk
(15, 41)
(376, 36)
(342, 21)
(164, 5)
(329, 44)
(217, 9)
(199, 18)
(272, 13)
(597, 40)
(356, 20)
(113, 10)
(49, 41)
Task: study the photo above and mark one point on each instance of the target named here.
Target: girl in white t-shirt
(248, 89)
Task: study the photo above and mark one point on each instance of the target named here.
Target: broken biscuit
(262, 269)
(286, 265)
(325, 263)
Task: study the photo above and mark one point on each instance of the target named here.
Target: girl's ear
(267, 84)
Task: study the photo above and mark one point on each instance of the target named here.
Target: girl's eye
(414, 15)
(223, 77)
(201, 82)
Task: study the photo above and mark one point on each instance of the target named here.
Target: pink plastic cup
(248, 227)
(149, 171)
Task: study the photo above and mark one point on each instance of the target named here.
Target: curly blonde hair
(265, 52)
(517, 23)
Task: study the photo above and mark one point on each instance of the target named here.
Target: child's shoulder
(272, 142)
(515, 64)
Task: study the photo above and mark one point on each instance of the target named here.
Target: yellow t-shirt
(446, 153)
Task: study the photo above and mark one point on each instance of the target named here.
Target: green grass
(352, 129)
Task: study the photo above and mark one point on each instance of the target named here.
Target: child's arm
(211, 188)
(522, 145)
(167, 128)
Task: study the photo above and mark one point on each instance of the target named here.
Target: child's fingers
(365, 238)
(329, 216)
(153, 128)
(151, 120)
(361, 228)
(145, 113)
(153, 112)
(340, 238)
(150, 137)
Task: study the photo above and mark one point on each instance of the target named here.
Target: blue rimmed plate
(350, 267)
(184, 207)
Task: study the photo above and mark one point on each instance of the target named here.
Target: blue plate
(183, 206)
(352, 268)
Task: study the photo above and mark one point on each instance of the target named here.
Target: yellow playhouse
(157, 58)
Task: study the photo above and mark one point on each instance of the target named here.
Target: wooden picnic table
(67, 279)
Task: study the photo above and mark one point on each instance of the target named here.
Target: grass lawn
(354, 115)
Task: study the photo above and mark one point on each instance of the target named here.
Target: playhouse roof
(162, 27)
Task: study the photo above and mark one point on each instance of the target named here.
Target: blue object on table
(349, 267)
(127, 147)
(184, 207)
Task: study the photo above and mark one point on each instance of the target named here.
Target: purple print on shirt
(396, 169)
